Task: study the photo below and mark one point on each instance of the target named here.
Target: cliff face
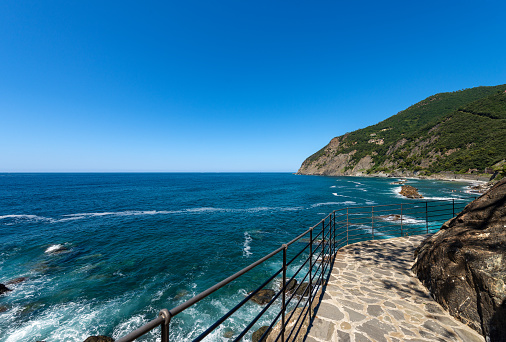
(464, 264)
(451, 132)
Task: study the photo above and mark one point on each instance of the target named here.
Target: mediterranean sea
(101, 254)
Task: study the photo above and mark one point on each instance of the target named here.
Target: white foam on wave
(456, 198)
(395, 218)
(338, 195)
(333, 203)
(246, 250)
(200, 210)
(14, 219)
(397, 191)
(357, 183)
(54, 248)
(18, 218)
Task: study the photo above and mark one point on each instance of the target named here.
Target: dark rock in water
(16, 281)
(464, 264)
(410, 192)
(263, 296)
(291, 285)
(99, 338)
(303, 290)
(228, 333)
(4, 289)
(258, 334)
(3, 308)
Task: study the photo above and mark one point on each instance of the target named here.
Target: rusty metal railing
(312, 253)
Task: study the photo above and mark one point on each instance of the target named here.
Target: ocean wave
(58, 248)
(13, 219)
(333, 203)
(337, 195)
(396, 218)
(357, 183)
(246, 251)
(16, 219)
(445, 198)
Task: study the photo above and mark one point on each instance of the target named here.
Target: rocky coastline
(464, 264)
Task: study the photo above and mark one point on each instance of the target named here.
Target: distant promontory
(447, 135)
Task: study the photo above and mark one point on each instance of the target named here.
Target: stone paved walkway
(372, 295)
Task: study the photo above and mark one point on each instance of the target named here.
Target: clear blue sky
(224, 85)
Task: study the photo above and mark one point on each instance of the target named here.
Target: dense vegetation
(458, 131)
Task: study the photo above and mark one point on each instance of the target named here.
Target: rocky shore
(464, 264)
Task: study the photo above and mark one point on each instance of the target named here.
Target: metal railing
(311, 255)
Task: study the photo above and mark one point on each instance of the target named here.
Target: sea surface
(101, 254)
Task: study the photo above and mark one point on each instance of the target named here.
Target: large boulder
(410, 192)
(263, 296)
(464, 264)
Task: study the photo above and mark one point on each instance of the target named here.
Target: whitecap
(444, 198)
(333, 203)
(13, 219)
(55, 248)
(336, 194)
(246, 251)
(200, 210)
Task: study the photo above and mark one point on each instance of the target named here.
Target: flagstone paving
(372, 295)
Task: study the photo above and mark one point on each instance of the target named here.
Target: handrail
(330, 234)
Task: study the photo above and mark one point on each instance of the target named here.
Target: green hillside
(454, 131)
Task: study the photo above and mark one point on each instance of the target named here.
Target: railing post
(347, 226)
(323, 255)
(427, 217)
(283, 295)
(372, 221)
(402, 233)
(165, 325)
(453, 207)
(310, 268)
(334, 230)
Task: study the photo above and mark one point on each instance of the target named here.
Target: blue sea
(101, 254)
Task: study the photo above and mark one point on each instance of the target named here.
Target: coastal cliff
(448, 134)
(464, 264)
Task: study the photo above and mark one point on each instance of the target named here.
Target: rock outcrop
(263, 296)
(410, 192)
(464, 264)
(4, 289)
(301, 326)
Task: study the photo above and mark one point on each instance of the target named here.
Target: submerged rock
(228, 333)
(258, 334)
(410, 192)
(99, 338)
(464, 264)
(4, 289)
(303, 290)
(263, 296)
(291, 285)
(16, 281)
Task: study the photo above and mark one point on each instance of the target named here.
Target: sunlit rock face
(464, 264)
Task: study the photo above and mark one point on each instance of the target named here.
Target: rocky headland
(464, 264)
